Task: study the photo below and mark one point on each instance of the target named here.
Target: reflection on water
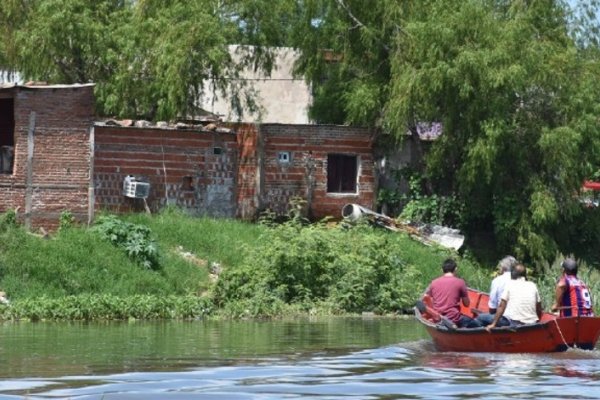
(325, 359)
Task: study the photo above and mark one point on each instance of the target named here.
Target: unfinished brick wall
(59, 118)
(224, 173)
(193, 169)
(305, 172)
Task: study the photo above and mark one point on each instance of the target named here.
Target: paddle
(423, 308)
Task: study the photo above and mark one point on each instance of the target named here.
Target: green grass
(213, 240)
(80, 275)
(76, 261)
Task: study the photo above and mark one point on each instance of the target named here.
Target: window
(217, 151)
(187, 183)
(7, 135)
(341, 173)
(283, 157)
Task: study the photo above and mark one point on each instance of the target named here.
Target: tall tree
(149, 58)
(517, 93)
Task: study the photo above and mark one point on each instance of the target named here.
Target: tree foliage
(515, 85)
(149, 58)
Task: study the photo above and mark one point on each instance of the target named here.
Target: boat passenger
(520, 302)
(572, 295)
(447, 292)
(497, 287)
(498, 283)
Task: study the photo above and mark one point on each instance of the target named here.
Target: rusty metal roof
(43, 85)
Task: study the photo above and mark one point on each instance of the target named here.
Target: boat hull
(551, 334)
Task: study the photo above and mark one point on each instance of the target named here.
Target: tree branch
(358, 23)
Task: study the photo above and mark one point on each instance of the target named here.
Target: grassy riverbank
(206, 267)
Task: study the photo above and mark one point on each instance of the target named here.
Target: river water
(331, 358)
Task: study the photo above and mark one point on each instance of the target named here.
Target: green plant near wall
(8, 220)
(134, 239)
(392, 198)
(436, 209)
(66, 220)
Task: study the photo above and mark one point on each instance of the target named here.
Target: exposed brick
(61, 155)
(246, 178)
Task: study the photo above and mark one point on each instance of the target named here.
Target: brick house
(237, 171)
(45, 151)
(54, 157)
(326, 165)
(192, 168)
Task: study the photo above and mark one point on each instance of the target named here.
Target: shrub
(433, 208)
(133, 238)
(66, 220)
(8, 220)
(107, 307)
(346, 270)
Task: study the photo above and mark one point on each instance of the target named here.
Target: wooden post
(29, 184)
(260, 168)
(91, 195)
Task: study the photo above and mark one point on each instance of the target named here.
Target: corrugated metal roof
(40, 85)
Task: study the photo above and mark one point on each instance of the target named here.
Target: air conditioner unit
(134, 188)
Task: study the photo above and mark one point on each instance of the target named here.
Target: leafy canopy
(149, 58)
(515, 84)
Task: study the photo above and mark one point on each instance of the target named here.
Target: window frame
(343, 171)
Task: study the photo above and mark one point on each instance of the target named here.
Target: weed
(133, 238)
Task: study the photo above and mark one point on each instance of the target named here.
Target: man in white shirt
(520, 302)
(498, 283)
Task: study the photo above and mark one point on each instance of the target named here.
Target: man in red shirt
(447, 292)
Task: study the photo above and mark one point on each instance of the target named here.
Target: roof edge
(37, 85)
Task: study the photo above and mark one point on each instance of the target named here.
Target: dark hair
(518, 271)
(570, 266)
(449, 265)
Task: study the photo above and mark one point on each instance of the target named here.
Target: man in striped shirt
(572, 295)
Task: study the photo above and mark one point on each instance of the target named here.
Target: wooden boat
(551, 334)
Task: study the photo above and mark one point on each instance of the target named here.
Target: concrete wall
(51, 124)
(281, 97)
(193, 169)
(392, 156)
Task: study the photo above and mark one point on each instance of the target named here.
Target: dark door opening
(7, 135)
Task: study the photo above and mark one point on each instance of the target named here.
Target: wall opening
(187, 183)
(342, 173)
(284, 157)
(7, 135)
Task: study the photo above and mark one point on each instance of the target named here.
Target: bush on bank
(335, 268)
(280, 270)
(88, 307)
